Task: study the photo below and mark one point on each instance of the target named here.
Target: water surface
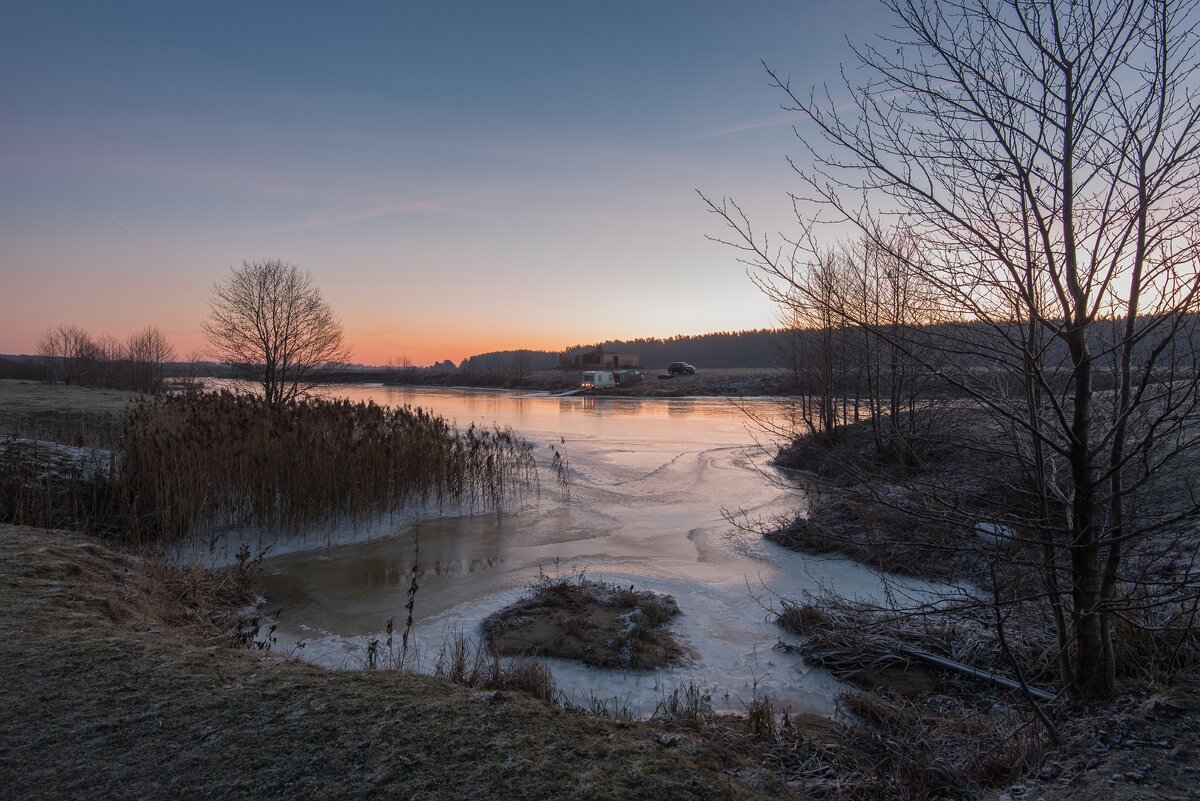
(651, 483)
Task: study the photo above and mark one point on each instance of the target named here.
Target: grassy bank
(62, 413)
(949, 678)
(106, 696)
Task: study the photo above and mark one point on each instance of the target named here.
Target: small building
(598, 359)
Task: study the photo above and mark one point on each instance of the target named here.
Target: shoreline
(83, 610)
(706, 382)
(90, 654)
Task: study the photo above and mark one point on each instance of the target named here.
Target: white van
(598, 379)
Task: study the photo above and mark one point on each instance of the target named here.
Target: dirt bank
(589, 621)
(942, 714)
(110, 692)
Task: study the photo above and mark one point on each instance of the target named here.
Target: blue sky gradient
(457, 177)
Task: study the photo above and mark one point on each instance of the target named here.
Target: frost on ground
(119, 684)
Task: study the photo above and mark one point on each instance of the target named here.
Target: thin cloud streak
(153, 250)
(773, 121)
(435, 205)
(141, 241)
(787, 117)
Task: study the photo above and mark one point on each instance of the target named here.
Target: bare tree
(399, 370)
(269, 321)
(73, 356)
(149, 353)
(70, 354)
(1045, 156)
(110, 365)
(52, 349)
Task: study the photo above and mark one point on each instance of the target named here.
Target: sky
(457, 177)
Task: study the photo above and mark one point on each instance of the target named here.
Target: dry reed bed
(53, 486)
(208, 463)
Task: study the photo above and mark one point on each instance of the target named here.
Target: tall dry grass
(47, 485)
(218, 461)
(473, 664)
(208, 463)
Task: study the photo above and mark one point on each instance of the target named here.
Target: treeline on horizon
(67, 354)
(762, 347)
(782, 347)
(102, 362)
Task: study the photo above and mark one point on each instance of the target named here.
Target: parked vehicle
(680, 368)
(598, 379)
(627, 378)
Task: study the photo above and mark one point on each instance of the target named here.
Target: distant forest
(798, 349)
(791, 349)
(763, 347)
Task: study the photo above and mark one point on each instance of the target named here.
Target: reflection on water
(390, 571)
(652, 480)
(681, 407)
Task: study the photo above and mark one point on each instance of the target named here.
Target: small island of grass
(594, 622)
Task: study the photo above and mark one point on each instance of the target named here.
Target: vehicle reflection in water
(681, 407)
(586, 403)
(651, 481)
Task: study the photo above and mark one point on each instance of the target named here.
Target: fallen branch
(959, 667)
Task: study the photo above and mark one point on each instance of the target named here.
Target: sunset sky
(458, 177)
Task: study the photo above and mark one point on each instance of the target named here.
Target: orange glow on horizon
(372, 347)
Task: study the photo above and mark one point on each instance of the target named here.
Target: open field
(25, 400)
(106, 697)
(66, 413)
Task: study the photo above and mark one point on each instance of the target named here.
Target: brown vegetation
(207, 463)
(219, 460)
(590, 621)
(468, 663)
(114, 690)
(923, 732)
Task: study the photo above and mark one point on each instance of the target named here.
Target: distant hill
(972, 343)
(756, 348)
(759, 348)
(508, 360)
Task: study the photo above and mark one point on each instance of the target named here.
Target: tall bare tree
(1045, 156)
(69, 353)
(148, 353)
(269, 321)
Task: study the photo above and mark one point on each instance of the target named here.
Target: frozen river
(650, 483)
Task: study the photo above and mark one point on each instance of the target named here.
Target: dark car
(627, 378)
(680, 368)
